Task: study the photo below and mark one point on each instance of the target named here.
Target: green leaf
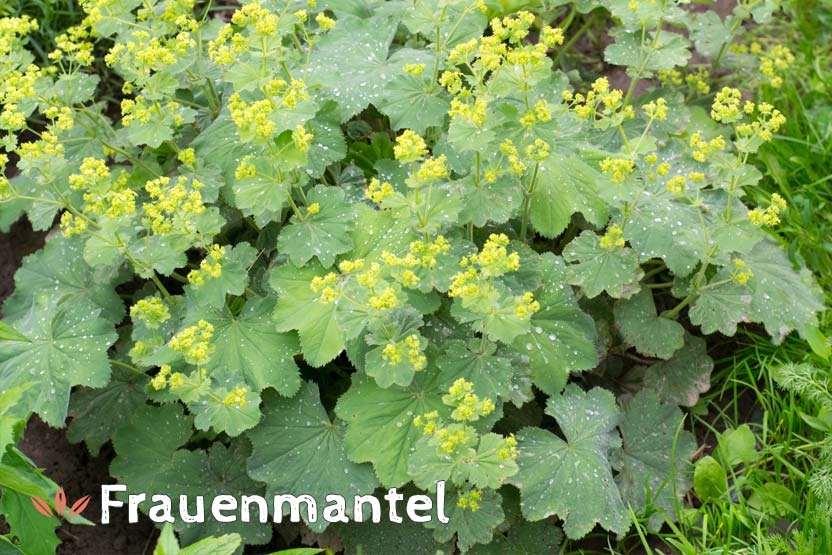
(525, 538)
(222, 545)
(369, 538)
(323, 235)
(389, 329)
(59, 267)
(481, 465)
(150, 458)
(598, 269)
(248, 349)
(490, 202)
(299, 450)
(69, 347)
(684, 376)
(98, 413)
(779, 297)
(709, 479)
(471, 527)
(655, 463)
(681, 241)
(298, 308)
(573, 479)
(380, 422)
(232, 281)
(669, 51)
(566, 185)
(737, 446)
(414, 103)
(350, 62)
(167, 543)
(489, 372)
(377, 231)
(35, 533)
(211, 411)
(8, 333)
(708, 32)
(640, 327)
(562, 337)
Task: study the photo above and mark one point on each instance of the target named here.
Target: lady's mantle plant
(338, 246)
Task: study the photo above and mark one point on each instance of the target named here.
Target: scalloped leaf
(683, 377)
(298, 308)
(60, 268)
(248, 348)
(470, 527)
(380, 422)
(779, 297)
(562, 336)
(653, 456)
(232, 281)
(324, 235)
(299, 450)
(573, 478)
(150, 457)
(651, 335)
(69, 347)
(597, 269)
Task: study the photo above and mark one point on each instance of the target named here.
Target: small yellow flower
(410, 147)
(613, 238)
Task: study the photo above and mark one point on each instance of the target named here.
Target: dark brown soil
(71, 466)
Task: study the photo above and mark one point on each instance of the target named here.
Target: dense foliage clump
(409, 223)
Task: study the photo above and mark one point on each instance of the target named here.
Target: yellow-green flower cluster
(385, 300)
(538, 151)
(676, 184)
(492, 261)
(701, 148)
(433, 169)
(221, 52)
(290, 94)
(468, 406)
(15, 87)
(74, 45)
(236, 397)
(172, 208)
(538, 113)
(470, 500)
(152, 311)
(509, 152)
(599, 102)
(774, 63)
(656, 109)
(325, 23)
(302, 138)
(727, 106)
(619, 169)
(395, 352)
(414, 69)
(768, 122)
(103, 196)
(256, 17)
(552, 36)
(210, 267)
(512, 28)
(61, 117)
(525, 305)
(194, 342)
(13, 30)
(410, 147)
(741, 273)
(254, 118)
(187, 156)
(327, 287)
(377, 190)
(613, 238)
(769, 216)
(473, 111)
(160, 380)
